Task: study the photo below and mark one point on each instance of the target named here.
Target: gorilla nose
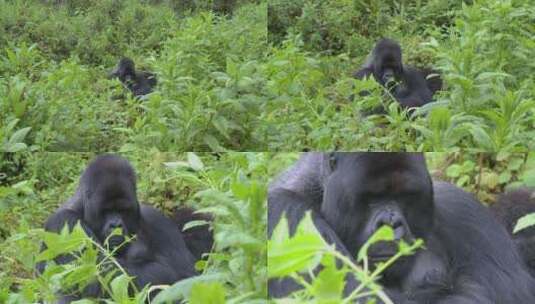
(393, 220)
(388, 76)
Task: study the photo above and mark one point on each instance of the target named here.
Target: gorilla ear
(333, 158)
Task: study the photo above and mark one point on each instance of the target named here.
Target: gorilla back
(106, 200)
(469, 257)
(509, 208)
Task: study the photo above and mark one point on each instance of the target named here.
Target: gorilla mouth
(115, 240)
(382, 251)
(380, 258)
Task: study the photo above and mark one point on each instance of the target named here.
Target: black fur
(510, 207)
(199, 239)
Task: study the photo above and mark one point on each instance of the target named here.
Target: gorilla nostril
(396, 223)
(399, 232)
(379, 223)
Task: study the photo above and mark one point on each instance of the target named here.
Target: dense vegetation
(55, 59)
(231, 186)
(272, 76)
(482, 51)
(245, 75)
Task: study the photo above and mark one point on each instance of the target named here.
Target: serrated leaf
(329, 285)
(384, 233)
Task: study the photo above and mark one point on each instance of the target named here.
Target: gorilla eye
(332, 160)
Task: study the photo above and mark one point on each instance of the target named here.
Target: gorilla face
(110, 201)
(387, 64)
(125, 70)
(365, 191)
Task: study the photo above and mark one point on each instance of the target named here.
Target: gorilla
(140, 83)
(199, 239)
(510, 207)
(468, 256)
(409, 86)
(105, 201)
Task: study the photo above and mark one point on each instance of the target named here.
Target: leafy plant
(299, 255)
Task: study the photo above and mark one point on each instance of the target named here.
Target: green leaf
(384, 233)
(222, 125)
(213, 143)
(193, 224)
(454, 171)
(490, 179)
(119, 287)
(525, 222)
(207, 293)
(19, 135)
(505, 177)
(182, 289)
(329, 285)
(301, 252)
(195, 162)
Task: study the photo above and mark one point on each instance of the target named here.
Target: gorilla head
(364, 191)
(140, 83)
(108, 199)
(386, 61)
(125, 70)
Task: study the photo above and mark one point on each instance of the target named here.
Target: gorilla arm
(62, 216)
(414, 90)
(159, 254)
(483, 266)
(294, 207)
(199, 239)
(55, 223)
(305, 178)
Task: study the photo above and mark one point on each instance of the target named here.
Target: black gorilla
(509, 208)
(140, 83)
(199, 239)
(106, 200)
(408, 85)
(470, 258)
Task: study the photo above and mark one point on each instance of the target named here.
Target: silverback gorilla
(510, 207)
(106, 200)
(469, 257)
(408, 85)
(140, 83)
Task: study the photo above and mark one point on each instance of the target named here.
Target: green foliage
(484, 174)
(270, 76)
(297, 257)
(335, 26)
(54, 62)
(525, 222)
(480, 50)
